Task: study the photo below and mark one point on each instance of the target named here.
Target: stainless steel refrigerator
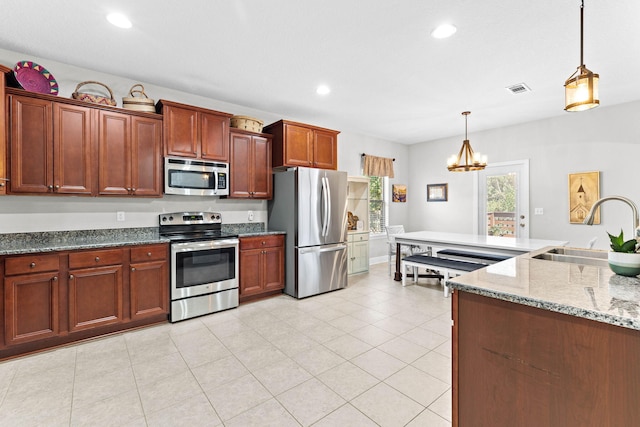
(311, 206)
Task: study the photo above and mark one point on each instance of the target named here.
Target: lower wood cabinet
(261, 266)
(56, 298)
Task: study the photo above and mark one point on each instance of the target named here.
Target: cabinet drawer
(148, 253)
(31, 264)
(360, 237)
(95, 258)
(261, 242)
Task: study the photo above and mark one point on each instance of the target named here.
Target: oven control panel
(186, 218)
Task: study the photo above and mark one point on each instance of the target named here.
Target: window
(378, 203)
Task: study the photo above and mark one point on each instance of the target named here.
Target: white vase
(624, 264)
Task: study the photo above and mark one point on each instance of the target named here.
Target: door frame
(523, 197)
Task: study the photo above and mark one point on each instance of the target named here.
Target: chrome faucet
(636, 222)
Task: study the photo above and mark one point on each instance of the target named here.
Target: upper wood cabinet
(130, 155)
(72, 147)
(297, 144)
(4, 177)
(195, 132)
(250, 165)
(51, 147)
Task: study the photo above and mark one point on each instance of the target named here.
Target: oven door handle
(204, 245)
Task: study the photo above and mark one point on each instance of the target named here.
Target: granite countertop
(49, 241)
(260, 233)
(587, 291)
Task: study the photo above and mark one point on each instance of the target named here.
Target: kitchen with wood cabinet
(261, 266)
(58, 297)
(250, 165)
(60, 146)
(195, 132)
(298, 144)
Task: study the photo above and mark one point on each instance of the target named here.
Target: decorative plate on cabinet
(35, 78)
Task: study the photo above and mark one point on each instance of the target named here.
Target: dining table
(434, 241)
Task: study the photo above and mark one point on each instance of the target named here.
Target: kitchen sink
(575, 256)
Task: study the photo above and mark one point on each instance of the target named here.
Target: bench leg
(444, 283)
(404, 274)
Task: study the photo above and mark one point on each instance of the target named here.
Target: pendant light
(466, 160)
(581, 89)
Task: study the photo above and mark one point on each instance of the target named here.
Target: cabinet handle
(71, 277)
(133, 269)
(50, 187)
(57, 187)
(1, 184)
(148, 253)
(264, 243)
(97, 259)
(54, 278)
(32, 265)
(133, 190)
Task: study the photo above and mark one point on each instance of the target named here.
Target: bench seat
(482, 257)
(447, 267)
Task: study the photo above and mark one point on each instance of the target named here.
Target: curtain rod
(363, 154)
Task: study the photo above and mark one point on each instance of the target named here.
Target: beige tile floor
(372, 354)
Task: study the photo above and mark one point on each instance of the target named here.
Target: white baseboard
(378, 260)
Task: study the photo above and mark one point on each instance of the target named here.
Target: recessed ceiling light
(323, 90)
(119, 20)
(444, 31)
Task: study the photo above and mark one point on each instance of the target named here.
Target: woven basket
(138, 103)
(94, 99)
(247, 123)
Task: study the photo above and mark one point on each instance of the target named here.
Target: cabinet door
(3, 130)
(31, 145)
(214, 137)
(240, 166)
(250, 272)
(298, 146)
(114, 156)
(146, 156)
(149, 283)
(180, 131)
(262, 177)
(72, 148)
(273, 268)
(360, 256)
(31, 308)
(325, 150)
(95, 297)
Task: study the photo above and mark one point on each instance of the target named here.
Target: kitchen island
(539, 342)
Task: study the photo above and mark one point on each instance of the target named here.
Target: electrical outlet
(119, 216)
(538, 211)
(250, 215)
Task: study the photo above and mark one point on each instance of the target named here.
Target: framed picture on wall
(437, 192)
(399, 193)
(584, 190)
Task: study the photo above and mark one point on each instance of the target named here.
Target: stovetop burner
(193, 226)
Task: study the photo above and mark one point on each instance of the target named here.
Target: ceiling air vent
(518, 88)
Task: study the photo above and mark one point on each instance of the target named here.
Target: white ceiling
(389, 78)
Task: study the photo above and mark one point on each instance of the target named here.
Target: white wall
(606, 139)
(52, 213)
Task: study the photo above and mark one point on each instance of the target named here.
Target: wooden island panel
(515, 365)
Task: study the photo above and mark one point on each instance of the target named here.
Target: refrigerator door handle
(325, 206)
(328, 206)
(332, 248)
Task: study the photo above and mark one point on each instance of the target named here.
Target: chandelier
(466, 160)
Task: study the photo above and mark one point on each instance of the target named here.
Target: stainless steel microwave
(193, 177)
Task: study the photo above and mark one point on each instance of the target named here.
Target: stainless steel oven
(191, 177)
(204, 264)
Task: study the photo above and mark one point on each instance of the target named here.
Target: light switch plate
(538, 211)
(119, 216)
